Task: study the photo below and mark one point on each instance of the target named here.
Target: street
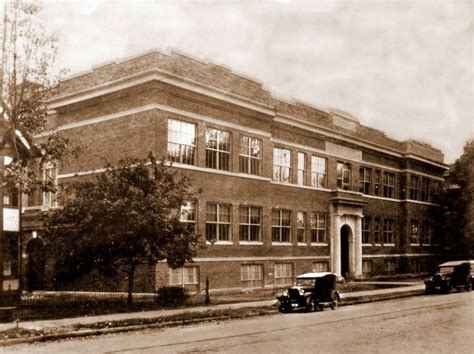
(422, 324)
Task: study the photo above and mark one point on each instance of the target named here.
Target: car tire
(310, 304)
(447, 289)
(335, 302)
(468, 286)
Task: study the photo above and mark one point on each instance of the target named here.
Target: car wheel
(284, 308)
(335, 302)
(310, 304)
(469, 286)
(447, 289)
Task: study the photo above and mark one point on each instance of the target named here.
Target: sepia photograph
(236, 176)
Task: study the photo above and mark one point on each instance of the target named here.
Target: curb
(96, 332)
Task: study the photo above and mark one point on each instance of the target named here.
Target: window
(218, 222)
(426, 232)
(365, 176)
(281, 165)
(388, 231)
(318, 228)
(300, 226)
(414, 232)
(217, 149)
(415, 266)
(434, 190)
(281, 225)
(181, 142)
(250, 223)
(320, 267)
(184, 276)
(301, 180)
(10, 196)
(283, 273)
(251, 275)
(343, 176)
(377, 237)
(366, 230)
(250, 156)
(390, 266)
(188, 213)
(388, 184)
(414, 187)
(377, 182)
(367, 267)
(425, 190)
(49, 186)
(318, 171)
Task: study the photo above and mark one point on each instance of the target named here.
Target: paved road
(422, 324)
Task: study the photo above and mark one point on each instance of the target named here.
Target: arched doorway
(36, 264)
(345, 233)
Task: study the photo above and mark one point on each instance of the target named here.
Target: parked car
(312, 292)
(451, 275)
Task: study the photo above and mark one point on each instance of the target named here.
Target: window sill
(251, 243)
(415, 244)
(366, 245)
(389, 244)
(318, 244)
(220, 243)
(302, 244)
(282, 244)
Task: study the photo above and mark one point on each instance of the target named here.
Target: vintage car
(312, 292)
(451, 275)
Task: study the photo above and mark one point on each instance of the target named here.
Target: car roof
(314, 275)
(455, 263)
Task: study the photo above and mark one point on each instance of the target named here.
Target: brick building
(287, 187)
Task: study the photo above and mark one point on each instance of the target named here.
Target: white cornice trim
(162, 76)
(299, 186)
(255, 259)
(417, 202)
(398, 255)
(152, 107)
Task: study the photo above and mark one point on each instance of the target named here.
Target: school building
(286, 187)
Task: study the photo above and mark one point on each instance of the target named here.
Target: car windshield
(446, 270)
(305, 282)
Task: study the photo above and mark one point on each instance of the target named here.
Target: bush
(172, 295)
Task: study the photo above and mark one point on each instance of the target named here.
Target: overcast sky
(404, 67)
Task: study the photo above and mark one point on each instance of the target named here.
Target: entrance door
(345, 251)
(36, 264)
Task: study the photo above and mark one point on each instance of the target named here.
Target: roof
(314, 275)
(455, 263)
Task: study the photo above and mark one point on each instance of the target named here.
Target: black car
(312, 292)
(451, 275)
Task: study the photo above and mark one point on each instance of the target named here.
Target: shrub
(172, 295)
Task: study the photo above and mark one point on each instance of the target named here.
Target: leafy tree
(458, 204)
(121, 218)
(27, 53)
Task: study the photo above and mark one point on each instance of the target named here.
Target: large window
(367, 267)
(184, 276)
(365, 176)
(250, 157)
(49, 185)
(301, 179)
(250, 223)
(388, 231)
(281, 225)
(188, 213)
(343, 176)
(281, 165)
(283, 273)
(320, 267)
(377, 182)
(366, 239)
(318, 171)
(388, 184)
(217, 149)
(426, 232)
(414, 232)
(318, 228)
(251, 275)
(377, 231)
(218, 222)
(390, 266)
(181, 142)
(425, 190)
(414, 187)
(301, 226)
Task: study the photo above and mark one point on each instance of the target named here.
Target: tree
(458, 203)
(27, 53)
(121, 218)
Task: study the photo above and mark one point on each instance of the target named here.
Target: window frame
(343, 173)
(301, 227)
(277, 229)
(366, 226)
(254, 283)
(365, 180)
(217, 155)
(248, 224)
(318, 174)
(388, 232)
(226, 224)
(301, 169)
(388, 184)
(182, 281)
(183, 154)
(50, 200)
(318, 234)
(281, 275)
(281, 165)
(252, 162)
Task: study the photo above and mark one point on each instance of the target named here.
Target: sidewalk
(346, 299)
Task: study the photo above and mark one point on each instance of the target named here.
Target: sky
(403, 67)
